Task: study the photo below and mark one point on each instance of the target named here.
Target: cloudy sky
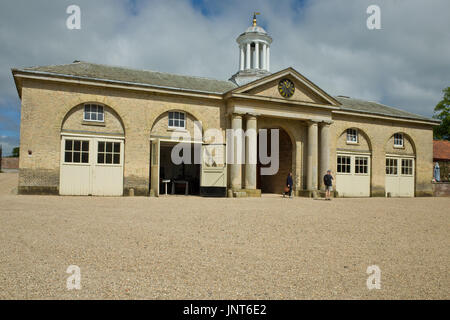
(405, 64)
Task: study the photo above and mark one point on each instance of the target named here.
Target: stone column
(248, 56)
(312, 173)
(257, 55)
(251, 152)
(268, 58)
(264, 56)
(324, 151)
(242, 57)
(236, 166)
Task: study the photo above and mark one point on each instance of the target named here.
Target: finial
(254, 18)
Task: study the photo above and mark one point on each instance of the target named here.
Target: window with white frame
(352, 136)
(362, 165)
(94, 112)
(343, 164)
(177, 120)
(391, 166)
(76, 151)
(407, 167)
(108, 152)
(398, 140)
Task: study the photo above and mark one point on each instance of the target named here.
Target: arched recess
(400, 180)
(193, 127)
(364, 143)
(353, 163)
(92, 151)
(73, 121)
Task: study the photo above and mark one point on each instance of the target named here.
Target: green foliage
(442, 112)
(15, 152)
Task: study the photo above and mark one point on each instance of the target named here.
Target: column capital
(312, 122)
(327, 122)
(252, 115)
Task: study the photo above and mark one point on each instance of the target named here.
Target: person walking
(289, 184)
(328, 181)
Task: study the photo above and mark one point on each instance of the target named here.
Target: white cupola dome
(254, 54)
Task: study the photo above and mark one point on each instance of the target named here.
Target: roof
(441, 149)
(143, 77)
(369, 107)
(90, 71)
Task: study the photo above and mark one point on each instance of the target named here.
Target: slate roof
(131, 76)
(92, 71)
(441, 150)
(369, 107)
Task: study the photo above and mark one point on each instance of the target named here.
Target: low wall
(10, 163)
(441, 189)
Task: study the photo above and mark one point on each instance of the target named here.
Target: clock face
(286, 88)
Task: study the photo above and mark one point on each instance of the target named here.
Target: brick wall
(10, 163)
(441, 189)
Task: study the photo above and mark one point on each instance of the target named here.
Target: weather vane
(254, 18)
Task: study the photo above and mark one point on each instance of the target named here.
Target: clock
(286, 88)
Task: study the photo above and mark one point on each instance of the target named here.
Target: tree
(442, 112)
(15, 152)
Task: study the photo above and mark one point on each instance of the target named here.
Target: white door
(399, 176)
(353, 175)
(91, 166)
(214, 170)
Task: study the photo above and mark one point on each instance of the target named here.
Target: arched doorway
(92, 151)
(276, 183)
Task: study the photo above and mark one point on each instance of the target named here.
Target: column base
(244, 193)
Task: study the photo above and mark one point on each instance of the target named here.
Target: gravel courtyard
(199, 248)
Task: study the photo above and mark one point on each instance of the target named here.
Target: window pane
(100, 117)
(77, 145)
(116, 158)
(182, 116)
(117, 147)
(87, 116)
(69, 144)
(176, 123)
(170, 123)
(76, 157)
(87, 108)
(101, 158)
(101, 147)
(94, 108)
(85, 146)
(68, 157)
(85, 157)
(176, 115)
(93, 116)
(108, 158)
(108, 146)
(181, 123)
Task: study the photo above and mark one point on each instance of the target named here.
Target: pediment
(305, 90)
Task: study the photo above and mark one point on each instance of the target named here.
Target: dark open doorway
(276, 183)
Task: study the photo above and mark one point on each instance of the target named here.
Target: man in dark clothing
(328, 181)
(289, 183)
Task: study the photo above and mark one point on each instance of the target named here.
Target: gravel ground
(199, 248)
